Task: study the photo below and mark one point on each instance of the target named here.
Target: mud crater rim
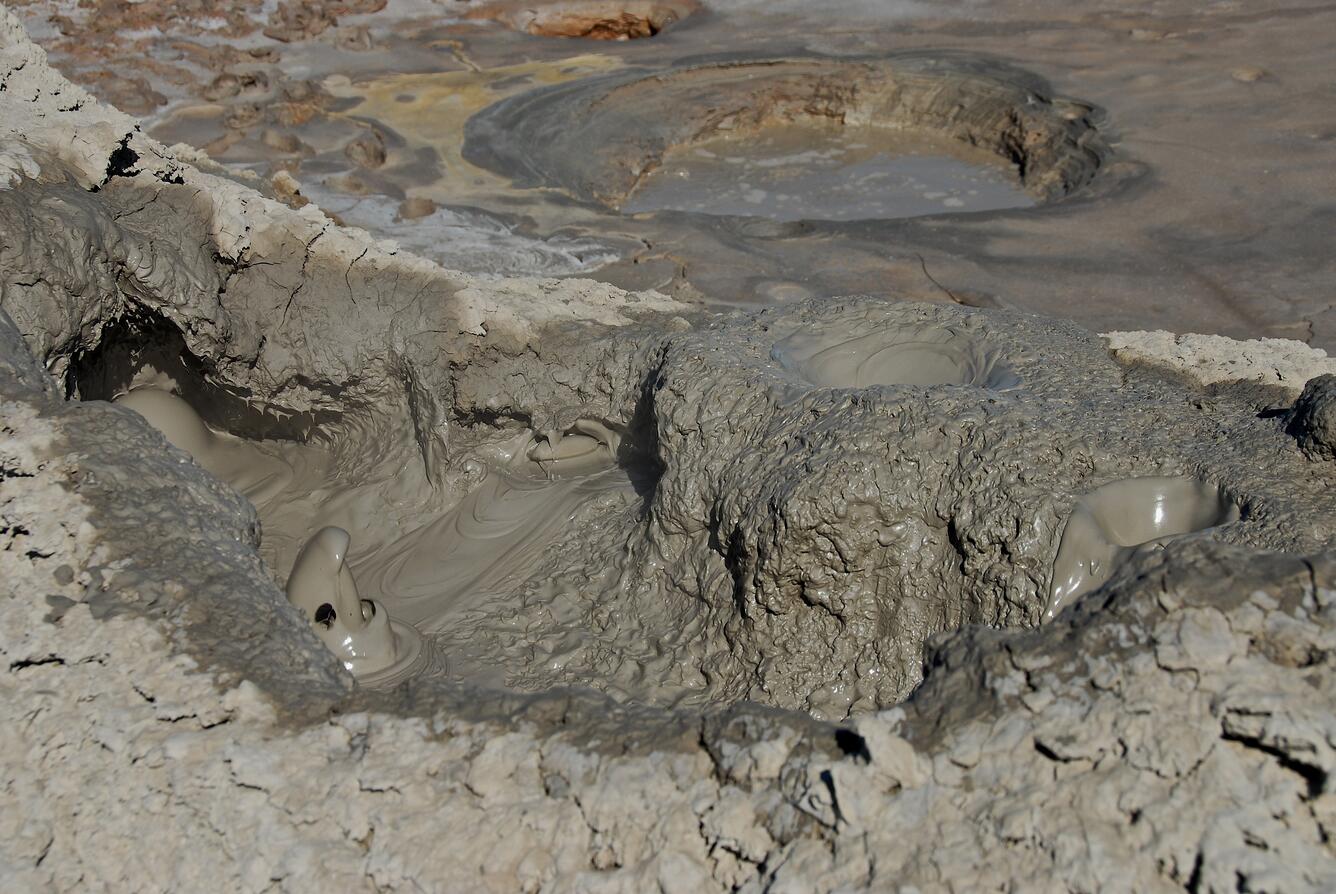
(923, 356)
(631, 122)
(1117, 521)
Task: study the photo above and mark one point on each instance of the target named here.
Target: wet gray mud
(831, 174)
(317, 548)
(781, 506)
(1110, 524)
(364, 109)
(748, 157)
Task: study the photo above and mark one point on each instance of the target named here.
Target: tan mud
(445, 568)
(376, 648)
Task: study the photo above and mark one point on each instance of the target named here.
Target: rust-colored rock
(593, 19)
(416, 208)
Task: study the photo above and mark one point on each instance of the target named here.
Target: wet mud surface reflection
(831, 173)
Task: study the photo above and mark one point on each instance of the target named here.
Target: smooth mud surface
(894, 355)
(790, 174)
(1110, 525)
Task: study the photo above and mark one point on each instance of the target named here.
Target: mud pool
(841, 173)
(366, 113)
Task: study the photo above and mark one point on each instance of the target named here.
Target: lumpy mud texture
(780, 506)
(1313, 421)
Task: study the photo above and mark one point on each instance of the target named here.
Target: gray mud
(597, 137)
(780, 506)
(705, 601)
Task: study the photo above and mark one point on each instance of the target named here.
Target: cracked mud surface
(781, 536)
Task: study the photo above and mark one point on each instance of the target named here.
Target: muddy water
(791, 173)
(489, 542)
(374, 568)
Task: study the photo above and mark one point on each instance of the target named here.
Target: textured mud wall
(800, 541)
(170, 723)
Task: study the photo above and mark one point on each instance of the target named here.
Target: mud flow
(833, 482)
(781, 505)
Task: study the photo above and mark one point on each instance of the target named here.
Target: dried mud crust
(596, 137)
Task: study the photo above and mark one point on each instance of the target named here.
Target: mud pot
(544, 446)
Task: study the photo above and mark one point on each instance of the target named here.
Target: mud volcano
(328, 567)
(602, 139)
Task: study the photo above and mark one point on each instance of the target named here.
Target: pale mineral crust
(169, 722)
(1210, 359)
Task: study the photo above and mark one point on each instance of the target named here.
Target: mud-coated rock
(1313, 420)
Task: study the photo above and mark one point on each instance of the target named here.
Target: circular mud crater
(894, 355)
(798, 138)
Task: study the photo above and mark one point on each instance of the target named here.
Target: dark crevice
(1314, 777)
(34, 662)
(143, 338)
(121, 162)
(853, 745)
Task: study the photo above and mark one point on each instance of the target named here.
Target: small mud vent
(1113, 523)
(911, 355)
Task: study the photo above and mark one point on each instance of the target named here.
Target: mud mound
(768, 536)
(599, 136)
